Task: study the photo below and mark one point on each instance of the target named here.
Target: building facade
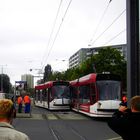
(29, 78)
(85, 53)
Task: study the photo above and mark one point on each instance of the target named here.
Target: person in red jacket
(19, 101)
(27, 102)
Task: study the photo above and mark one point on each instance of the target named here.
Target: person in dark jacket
(126, 122)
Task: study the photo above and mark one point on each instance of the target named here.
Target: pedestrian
(126, 122)
(27, 102)
(7, 131)
(19, 101)
(124, 101)
(14, 106)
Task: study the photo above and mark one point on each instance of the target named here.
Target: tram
(96, 95)
(53, 95)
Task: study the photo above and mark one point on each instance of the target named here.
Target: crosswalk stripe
(51, 117)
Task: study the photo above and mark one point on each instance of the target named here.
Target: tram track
(66, 132)
(62, 130)
(78, 134)
(55, 134)
(58, 131)
(64, 125)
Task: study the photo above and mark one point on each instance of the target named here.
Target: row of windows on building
(85, 53)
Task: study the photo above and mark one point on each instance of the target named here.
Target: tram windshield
(61, 91)
(109, 90)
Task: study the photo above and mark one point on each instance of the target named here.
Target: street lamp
(63, 60)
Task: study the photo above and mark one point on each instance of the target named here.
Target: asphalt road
(46, 125)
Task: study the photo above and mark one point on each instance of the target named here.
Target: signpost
(22, 85)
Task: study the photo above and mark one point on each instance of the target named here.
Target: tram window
(66, 92)
(44, 95)
(84, 95)
(109, 90)
(40, 95)
(47, 93)
(60, 91)
(51, 94)
(36, 95)
(74, 92)
(93, 93)
(56, 91)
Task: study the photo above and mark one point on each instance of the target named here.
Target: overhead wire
(95, 30)
(114, 37)
(58, 31)
(54, 23)
(109, 26)
(100, 21)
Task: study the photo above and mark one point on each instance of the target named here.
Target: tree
(47, 73)
(110, 60)
(56, 75)
(5, 83)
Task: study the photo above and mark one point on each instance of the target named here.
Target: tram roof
(84, 80)
(93, 77)
(50, 84)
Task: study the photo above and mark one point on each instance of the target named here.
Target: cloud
(26, 26)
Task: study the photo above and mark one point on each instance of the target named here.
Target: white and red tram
(53, 95)
(96, 95)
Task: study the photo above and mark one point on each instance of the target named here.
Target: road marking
(54, 134)
(51, 117)
(116, 138)
(69, 116)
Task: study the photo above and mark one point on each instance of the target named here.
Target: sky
(34, 33)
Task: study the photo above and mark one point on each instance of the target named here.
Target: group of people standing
(24, 100)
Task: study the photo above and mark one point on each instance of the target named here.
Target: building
(77, 58)
(29, 78)
(85, 53)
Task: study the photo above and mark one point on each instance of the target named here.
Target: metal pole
(132, 9)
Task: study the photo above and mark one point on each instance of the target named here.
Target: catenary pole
(132, 9)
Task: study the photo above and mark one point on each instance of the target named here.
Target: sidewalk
(22, 114)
